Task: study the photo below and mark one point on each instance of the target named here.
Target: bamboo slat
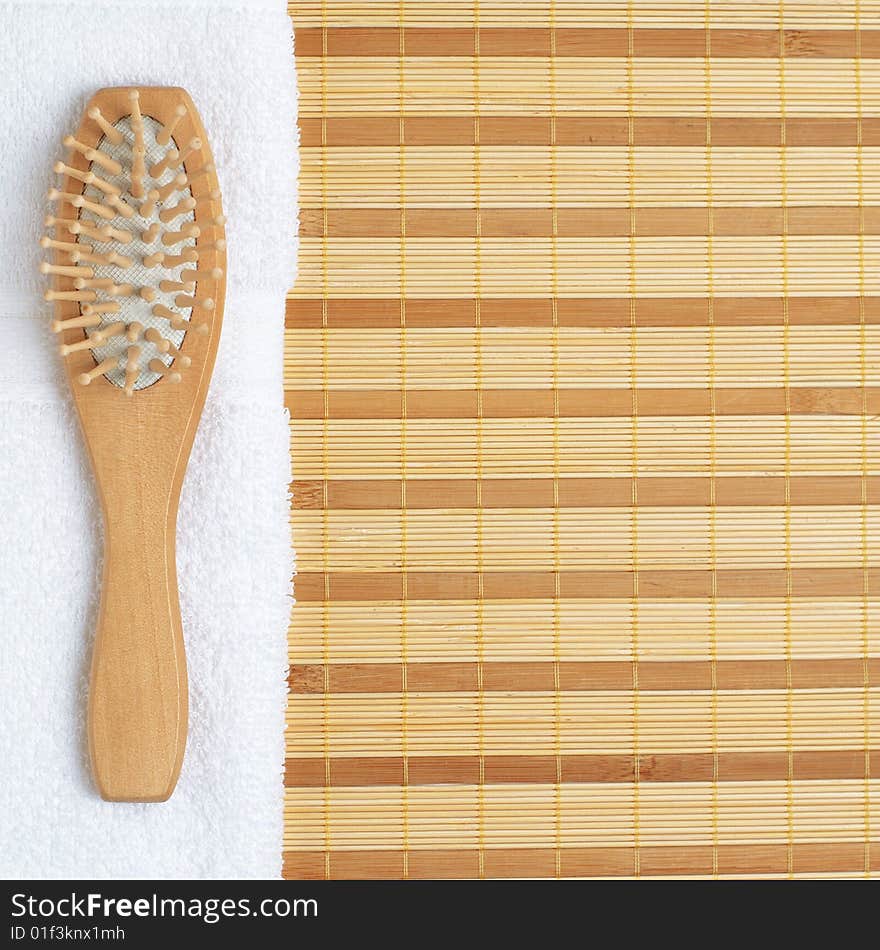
(582, 364)
(548, 15)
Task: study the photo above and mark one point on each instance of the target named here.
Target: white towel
(234, 557)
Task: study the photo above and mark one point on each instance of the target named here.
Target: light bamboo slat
(585, 395)
(688, 14)
(519, 86)
(522, 631)
(586, 178)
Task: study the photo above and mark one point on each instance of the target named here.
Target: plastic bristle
(120, 290)
(155, 337)
(101, 369)
(132, 368)
(149, 206)
(87, 295)
(160, 310)
(138, 168)
(115, 136)
(67, 246)
(105, 161)
(115, 329)
(80, 201)
(120, 206)
(64, 271)
(170, 286)
(85, 344)
(76, 323)
(182, 300)
(93, 155)
(115, 234)
(188, 256)
(70, 142)
(134, 331)
(106, 260)
(158, 366)
(177, 183)
(87, 178)
(106, 186)
(96, 283)
(179, 359)
(81, 227)
(169, 161)
(138, 171)
(215, 273)
(164, 135)
(108, 306)
(176, 237)
(155, 260)
(194, 146)
(134, 97)
(175, 211)
(150, 234)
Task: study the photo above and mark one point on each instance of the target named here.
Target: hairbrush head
(124, 152)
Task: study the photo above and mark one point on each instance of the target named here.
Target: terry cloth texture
(233, 544)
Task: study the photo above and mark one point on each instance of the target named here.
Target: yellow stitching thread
(325, 439)
(478, 369)
(554, 290)
(786, 370)
(404, 527)
(713, 434)
(863, 374)
(634, 470)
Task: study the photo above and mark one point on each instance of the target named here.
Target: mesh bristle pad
(133, 308)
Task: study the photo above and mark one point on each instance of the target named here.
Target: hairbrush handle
(139, 341)
(138, 699)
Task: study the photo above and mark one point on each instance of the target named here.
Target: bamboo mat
(583, 372)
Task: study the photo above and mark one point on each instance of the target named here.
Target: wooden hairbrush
(138, 285)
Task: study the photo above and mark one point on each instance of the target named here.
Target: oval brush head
(137, 281)
(135, 226)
